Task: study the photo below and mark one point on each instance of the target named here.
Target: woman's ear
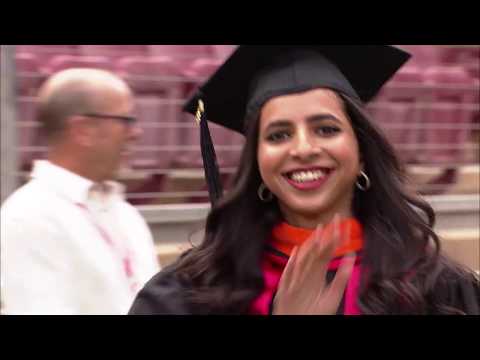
(362, 166)
(361, 163)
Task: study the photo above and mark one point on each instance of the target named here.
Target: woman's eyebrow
(323, 117)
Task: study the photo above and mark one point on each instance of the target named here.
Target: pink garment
(272, 267)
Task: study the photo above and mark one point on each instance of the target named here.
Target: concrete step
(467, 180)
(463, 246)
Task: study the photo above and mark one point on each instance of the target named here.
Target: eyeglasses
(128, 120)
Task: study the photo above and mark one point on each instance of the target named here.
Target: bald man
(70, 243)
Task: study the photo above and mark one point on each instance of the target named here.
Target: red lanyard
(125, 255)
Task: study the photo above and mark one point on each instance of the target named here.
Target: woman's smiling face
(308, 156)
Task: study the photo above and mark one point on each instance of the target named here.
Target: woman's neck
(311, 221)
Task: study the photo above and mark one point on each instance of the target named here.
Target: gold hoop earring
(261, 193)
(367, 184)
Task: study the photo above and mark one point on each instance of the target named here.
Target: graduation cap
(254, 74)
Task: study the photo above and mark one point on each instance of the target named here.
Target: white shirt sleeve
(35, 268)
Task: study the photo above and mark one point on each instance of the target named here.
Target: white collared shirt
(65, 242)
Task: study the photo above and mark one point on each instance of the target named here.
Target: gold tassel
(200, 111)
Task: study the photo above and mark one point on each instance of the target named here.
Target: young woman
(319, 219)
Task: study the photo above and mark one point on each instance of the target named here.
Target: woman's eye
(278, 136)
(327, 130)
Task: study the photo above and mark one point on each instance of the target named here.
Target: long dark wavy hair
(401, 252)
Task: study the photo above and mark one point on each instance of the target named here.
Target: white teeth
(303, 176)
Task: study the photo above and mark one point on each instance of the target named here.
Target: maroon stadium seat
(62, 62)
(422, 55)
(113, 52)
(29, 76)
(458, 55)
(27, 132)
(160, 139)
(151, 75)
(182, 55)
(396, 111)
(474, 69)
(450, 88)
(158, 85)
(201, 68)
(44, 53)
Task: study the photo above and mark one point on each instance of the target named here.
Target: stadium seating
(182, 55)
(29, 76)
(451, 93)
(438, 88)
(113, 52)
(159, 142)
(151, 75)
(30, 146)
(225, 140)
(396, 110)
(62, 62)
(44, 53)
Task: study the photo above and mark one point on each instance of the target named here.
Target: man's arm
(35, 268)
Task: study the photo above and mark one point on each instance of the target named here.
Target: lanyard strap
(125, 255)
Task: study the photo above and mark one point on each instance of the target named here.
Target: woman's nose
(305, 147)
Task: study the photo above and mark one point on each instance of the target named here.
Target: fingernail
(294, 251)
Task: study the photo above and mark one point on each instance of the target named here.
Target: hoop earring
(261, 193)
(367, 182)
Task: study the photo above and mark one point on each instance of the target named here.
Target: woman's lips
(308, 179)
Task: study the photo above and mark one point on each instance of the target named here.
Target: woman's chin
(304, 209)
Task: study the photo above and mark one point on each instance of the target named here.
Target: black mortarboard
(253, 74)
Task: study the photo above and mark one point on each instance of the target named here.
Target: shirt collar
(71, 185)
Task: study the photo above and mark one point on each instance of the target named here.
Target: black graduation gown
(164, 294)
